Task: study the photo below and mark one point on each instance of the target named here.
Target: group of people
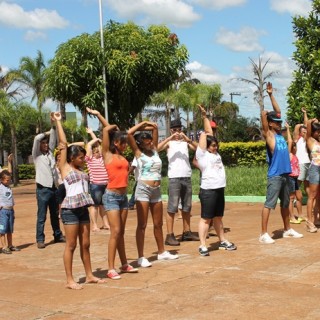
(292, 163)
(63, 186)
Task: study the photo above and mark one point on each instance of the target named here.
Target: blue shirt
(279, 160)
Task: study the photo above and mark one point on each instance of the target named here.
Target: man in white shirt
(180, 186)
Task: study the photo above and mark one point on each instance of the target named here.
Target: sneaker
(127, 268)
(41, 245)
(226, 245)
(295, 221)
(301, 219)
(171, 240)
(189, 236)
(166, 255)
(14, 248)
(265, 238)
(203, 251)
(6, 251)
(292, 234)
(113, 275)
(311, 227)
(144, 262)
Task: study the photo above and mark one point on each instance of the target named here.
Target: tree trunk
(167, 118)
(62, 109)
(84, 118)
(15, 173)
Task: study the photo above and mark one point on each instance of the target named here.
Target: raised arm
(296, 131)
(96, 113)
(164, 144)
(10, 158)
(289, 137)
(62, 144)
(36, 143)
(191, 144)
(206, 122)
(274, 103)
(106, 140)
(305, 116)
(264, 123)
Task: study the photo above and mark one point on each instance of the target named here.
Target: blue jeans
(47, 197)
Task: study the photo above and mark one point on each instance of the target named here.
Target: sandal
(14, 248)
(6, 251)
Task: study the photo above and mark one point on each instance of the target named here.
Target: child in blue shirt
(6, 211)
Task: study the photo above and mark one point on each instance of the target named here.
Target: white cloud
(246, 40)
(13, 15)
(173, 12)
(218, 4)
(34, 35)
(294, 7)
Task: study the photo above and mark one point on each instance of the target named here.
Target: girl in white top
(213, 182)
(148, 194)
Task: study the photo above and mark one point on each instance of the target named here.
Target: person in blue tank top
(279, 168)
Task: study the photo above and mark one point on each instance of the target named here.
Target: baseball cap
(175, 124)
(213, 124)
(274, 116)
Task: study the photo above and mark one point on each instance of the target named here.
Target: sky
(220, 35)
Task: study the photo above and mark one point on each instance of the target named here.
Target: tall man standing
(46, 190)
(180, 186)
(278, 171)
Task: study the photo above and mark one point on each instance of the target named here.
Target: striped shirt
(97, 171)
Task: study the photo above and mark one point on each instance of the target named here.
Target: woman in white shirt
(213, 182)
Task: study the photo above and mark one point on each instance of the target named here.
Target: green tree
(138, 63)
(31, 73)
(305, 87)
(12, 117)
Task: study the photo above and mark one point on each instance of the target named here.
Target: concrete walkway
(279, 281)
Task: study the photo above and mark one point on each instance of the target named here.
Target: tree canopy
(304, 90)
(138, 63)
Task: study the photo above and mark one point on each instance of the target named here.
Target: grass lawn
(241, 181)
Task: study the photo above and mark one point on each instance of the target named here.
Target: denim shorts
(314, 174)
(6, 221)
(304, 171)
(144, 192)
(293, 184)
(114, 201)
(179, 188)
(75, 216)
(212, 203)
(277, 187)
(96, 192)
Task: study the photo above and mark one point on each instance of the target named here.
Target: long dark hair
(73, 151)
(117, 136)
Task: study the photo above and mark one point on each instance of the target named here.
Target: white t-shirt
(178, 157)
(213, 175)
(302, 153)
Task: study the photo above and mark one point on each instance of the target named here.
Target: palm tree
(259, 80)
(31, 73)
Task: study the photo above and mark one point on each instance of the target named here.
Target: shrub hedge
(233, 154)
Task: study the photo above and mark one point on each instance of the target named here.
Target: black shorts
(212, 203)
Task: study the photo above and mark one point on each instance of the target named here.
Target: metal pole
(103, 68)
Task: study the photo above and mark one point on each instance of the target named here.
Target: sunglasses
(176, 129)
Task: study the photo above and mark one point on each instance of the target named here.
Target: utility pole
(234, 94)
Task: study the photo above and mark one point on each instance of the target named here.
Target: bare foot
(105, 228)
(95, 280)
(74, 286)
(96, 230)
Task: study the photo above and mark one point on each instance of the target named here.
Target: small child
(6, 211)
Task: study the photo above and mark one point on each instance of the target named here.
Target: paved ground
(279, 281)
